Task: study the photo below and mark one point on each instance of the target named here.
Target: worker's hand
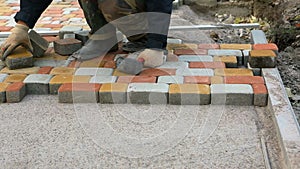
(152, 58)
(19, 36)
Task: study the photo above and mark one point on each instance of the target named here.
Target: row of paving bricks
(193, 74)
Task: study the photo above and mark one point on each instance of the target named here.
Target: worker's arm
(30, 11)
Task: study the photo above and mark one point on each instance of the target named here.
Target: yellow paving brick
(31, 70)
(52, 56)
(225, 59)
(189, 88)
(81, 79)
(233, 72)
(236, 46)
(15, 78)
(92, 63)
(114, 87)
(3, 86)
(262, 53)
(216, 80)
(60, 79)
(118, 73)
(182, 46)
(62, 71)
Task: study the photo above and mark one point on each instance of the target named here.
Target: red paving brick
(244, 80)
(158, 72)
(45, 70)
(15, 87)
(136, 79)
(209, 46)
(211, 65)
(190, 52)
(197, 79)
(110, 64)
(269, 46)
(259, 89)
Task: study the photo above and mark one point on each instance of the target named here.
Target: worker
(100, 16)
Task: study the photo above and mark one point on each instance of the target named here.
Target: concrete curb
(288, 129)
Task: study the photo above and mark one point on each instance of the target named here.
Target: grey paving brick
(147, 93)
(67, 46)
(68, 30)
(3, 77)
(2, 96)
(17, 94)
(52, 63)
(83, 36)
(171, 79)
(37, 83)
(246, 54)
(231, 94)
(260, 100)
(94, 71)
(194, 72)
(103, 79)
(258, 37)
(195, 58)
(39, 44)
(225, 52)
(174, 41)
(174, 65)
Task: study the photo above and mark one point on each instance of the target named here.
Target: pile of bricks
(195, 74)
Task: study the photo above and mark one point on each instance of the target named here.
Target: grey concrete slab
(258, 37)
(170, 79)
(37, 83)
(47, 134)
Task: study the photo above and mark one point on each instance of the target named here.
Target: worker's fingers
(8, 51)
(3, 49)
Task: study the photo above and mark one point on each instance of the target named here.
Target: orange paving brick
(269, 46)
(209, 46)
(244, 80)
(216, 80)
(233, 72)
(197, 79)
(15, 92)
(51, 38)
(136, 79)
(62, 71)
(259, 89)
(45, 70)
(14, 86)
(158, 72)
(211, 65)
(5, 28)
(15, 78)
(190, 52)
(236, 46)
(110, 64)
(260, 95)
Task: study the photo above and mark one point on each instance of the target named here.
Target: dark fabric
(31, 10)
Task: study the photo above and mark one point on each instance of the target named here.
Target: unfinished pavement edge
(287, 127)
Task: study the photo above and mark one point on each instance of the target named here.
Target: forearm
(30, 11)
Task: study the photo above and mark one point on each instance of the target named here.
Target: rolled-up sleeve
(31, 10)
(158, 23)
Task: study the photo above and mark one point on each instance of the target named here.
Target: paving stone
(268, 46)
(197, 79)
(83, 36)
(3, 87)
(209, 65)
(230, 61)
(182, 46)
(31, 70)
(217, 80)
(246, 54)
(103, 79)
(209, 46)
(225, 52)
(45, 70)
(231, 94)
(158, 72)
(174, 41)
(79, 93)
(15, 92)
(15, 78)
(256, 71)
(57, 81)
(94, 71)
(189, 94)
(233, 72)
(260, 94)
(236, 46)
(51, 55)
(93, 63)
(68, 30)
(3, 77)
(262, 59)
(118, 73)
(174, 65)
(137, 79)
(194, 72)
(195, 58)
(37, 84)
(39, 44)
(170, 79)
(62, 71)
(67, 46)
(19, 58)
(244, 80)
(190, 52)
(110, 64)
(148, 93)
(258, 37)
(52, 63)
(113, 93)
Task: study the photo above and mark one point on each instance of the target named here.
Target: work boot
(96, 48)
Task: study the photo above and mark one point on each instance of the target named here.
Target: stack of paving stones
(194, 74)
